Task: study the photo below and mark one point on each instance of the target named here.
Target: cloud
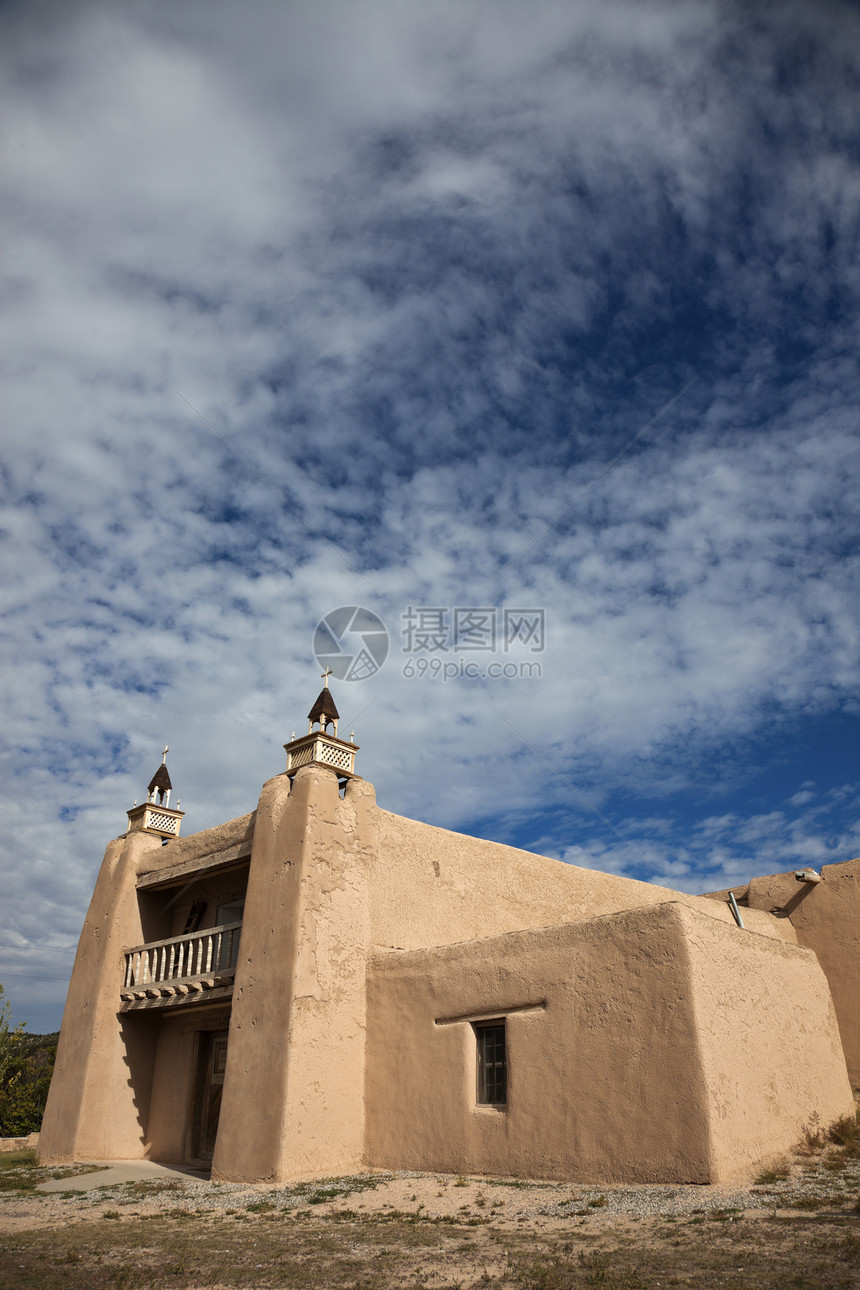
(728, 851)
(311, 307)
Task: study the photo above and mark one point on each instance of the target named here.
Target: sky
(527, 329)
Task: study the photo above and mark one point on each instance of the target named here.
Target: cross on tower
(325, 676)
(164, 755)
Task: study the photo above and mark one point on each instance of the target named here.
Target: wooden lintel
(234, 857)
(219, 993)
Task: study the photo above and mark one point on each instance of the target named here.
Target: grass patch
(323, 1189)
(144, 1188)
(846, 1131)
(19, 1171)
(322, 1194)
(378, 1251)
(16, 1159)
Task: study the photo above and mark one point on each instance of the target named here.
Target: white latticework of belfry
(164, 822)
(336, 757)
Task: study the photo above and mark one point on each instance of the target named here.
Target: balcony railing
(161, 966)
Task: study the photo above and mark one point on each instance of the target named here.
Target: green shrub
(845, 1133)
(26, 1066)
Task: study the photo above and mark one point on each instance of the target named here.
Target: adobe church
(322, 986)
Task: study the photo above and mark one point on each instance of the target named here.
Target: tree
(26, 1066)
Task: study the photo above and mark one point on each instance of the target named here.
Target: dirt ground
(796, 1226)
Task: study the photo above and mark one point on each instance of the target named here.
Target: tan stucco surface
(203, 845)
(469, 887)
(99, 1101)
(170, 1105)
(92, 1109)
(610, 1080)
(671, 1044)
(293, 1091)
(825, 917)
(772, 1060)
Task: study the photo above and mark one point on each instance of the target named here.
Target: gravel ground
(813, 1183)
(798, 1225)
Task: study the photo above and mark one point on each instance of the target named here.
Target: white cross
(164, 755)
(326, 674)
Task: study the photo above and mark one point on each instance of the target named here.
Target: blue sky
(497, 305)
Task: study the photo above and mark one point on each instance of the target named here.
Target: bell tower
(156, 815)
(320, 746)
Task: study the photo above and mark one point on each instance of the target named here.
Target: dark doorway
(209, 1085)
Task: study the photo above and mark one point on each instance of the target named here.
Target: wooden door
(212, 1062)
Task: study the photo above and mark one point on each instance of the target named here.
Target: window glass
(231, 913)
(492, 1064)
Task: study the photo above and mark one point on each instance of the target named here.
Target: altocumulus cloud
(320, 305)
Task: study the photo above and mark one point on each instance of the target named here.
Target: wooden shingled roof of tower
(160, 779)
(324, 707)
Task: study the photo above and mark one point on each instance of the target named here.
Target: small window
(492, 1064)
(232, 913)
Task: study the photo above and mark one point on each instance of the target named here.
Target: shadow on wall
(139, 1034)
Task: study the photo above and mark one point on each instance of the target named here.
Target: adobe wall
(617, 1000)
(173, 1079)
(92, 1111)
(99, 1100)
(429, 886)
(207, 842)
(293, 1099)
(826, 918)
(769, 1043)
(622, 997)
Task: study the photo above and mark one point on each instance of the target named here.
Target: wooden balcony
(199, 967)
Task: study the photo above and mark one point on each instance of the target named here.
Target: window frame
(488, 1081)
